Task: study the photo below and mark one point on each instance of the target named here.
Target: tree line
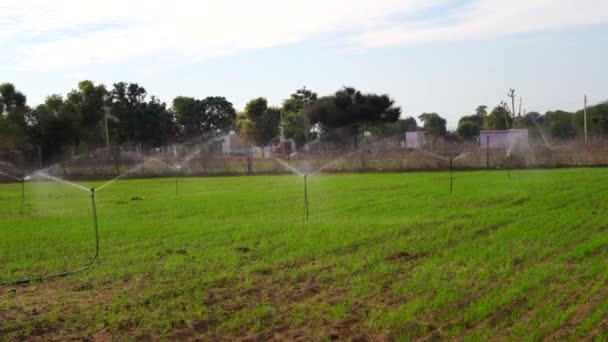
(93, 115)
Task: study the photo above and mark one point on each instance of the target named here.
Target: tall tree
(498, 119)
(202, 116)
(433, 124)
(351, 108)
(259, 123)
(482, 111)
(136, 118)
(597, 119)
(13, 118)
(560, 124)
(296, 124)
(89, 100)
(56, 124)
(156, 122)
(468, 130)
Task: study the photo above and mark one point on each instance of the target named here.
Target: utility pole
(511, 94)
(519, 115)
(585, 117)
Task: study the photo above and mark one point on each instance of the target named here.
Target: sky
(444, 56)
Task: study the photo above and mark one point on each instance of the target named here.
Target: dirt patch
(404, 256)
(583, 311)
(39, 311)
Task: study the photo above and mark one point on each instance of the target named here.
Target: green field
(391, 256)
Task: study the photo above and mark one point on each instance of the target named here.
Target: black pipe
(306, 197)
(66, 273)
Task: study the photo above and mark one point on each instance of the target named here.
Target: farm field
(382, 256)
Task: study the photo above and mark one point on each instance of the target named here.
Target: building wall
(503, 139)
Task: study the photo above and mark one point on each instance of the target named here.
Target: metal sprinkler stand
(22, 196)
(451, 178)
(95, 228)
(66, 273)
(509, 166)
(306, 197)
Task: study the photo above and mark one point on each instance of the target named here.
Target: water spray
(450, 161)
(508, 162)
(66, 273)
(22, 181)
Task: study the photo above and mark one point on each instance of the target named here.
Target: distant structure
(502, 139)
(232, 144)
(415, 140)
(284, 146)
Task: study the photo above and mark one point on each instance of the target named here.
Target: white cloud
(490, 18)
(45, 35)
(193, 29)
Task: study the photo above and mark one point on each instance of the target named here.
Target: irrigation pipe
(66, 273)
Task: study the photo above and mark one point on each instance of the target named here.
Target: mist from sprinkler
(22, 181)
(95, 231)
(450, 161)
(306, 175)
(545, 140)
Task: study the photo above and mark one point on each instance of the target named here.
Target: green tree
(433, 124)
(89, 101)
(296, 123)
(136, 117)
(13, 118)
(259, 123)
(469, 126)
(12, 136)
(560, 124)
(213, 113)
(468, 130)
(351, 108)
(13, 104)
(498, 119)
(597, 120)
(481, 111)
(157, 123)
(56, 124)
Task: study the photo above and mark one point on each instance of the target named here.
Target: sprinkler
(177, 172)
(22, 196)
(508, 162)
(451, 177)
(450, 161)
(95, 228)
(306, 197)
(66, 273)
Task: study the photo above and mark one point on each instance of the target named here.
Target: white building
(503, 139)
(415, 139)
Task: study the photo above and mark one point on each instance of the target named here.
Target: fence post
(487, 151)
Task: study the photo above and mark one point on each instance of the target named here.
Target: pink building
(502, 139)
(415, 139)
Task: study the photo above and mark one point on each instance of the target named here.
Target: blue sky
(434, 55)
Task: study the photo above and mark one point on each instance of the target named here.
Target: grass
(383, 255)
